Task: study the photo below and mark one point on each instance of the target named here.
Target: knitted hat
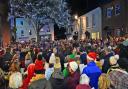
(113, 59)
(57, 74)
(52, 59)
(92, 56)
(57, 64)
(73, 65)
(84, 79)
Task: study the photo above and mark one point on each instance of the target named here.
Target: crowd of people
(64, 64)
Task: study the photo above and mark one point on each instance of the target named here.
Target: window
(93, 20)
(22, 33)
(21, 22)
(48, 30)
(87, 23)
(30, 32)
(109, 12)
(117, 9)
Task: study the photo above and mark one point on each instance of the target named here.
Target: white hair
(84, 79)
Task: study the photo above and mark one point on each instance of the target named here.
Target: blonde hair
(28, 56)
(104, 81)
(57, 60)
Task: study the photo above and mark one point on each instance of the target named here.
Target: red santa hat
(92, 56)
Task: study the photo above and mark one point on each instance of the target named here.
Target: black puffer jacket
(58, 83)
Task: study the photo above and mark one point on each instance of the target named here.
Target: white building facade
(91, 22)
(25, 30)
(47, 32)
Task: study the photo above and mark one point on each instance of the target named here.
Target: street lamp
(76, 17)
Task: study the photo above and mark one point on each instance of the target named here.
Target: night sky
(81, 7)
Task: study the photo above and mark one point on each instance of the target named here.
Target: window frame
(117, 9)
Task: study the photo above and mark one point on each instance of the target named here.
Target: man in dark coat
(57, 80)
(106, 64)
(7, 59)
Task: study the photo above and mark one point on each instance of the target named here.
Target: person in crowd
(52, 59)
(119, 76)
(7, 57)
(113, 62)
(28, 59)
(1, 58)
(2, 79)
(106, 64)
(66, 72)
(99, 62)
(57, 79)
(104, 81)
(92, 71)
(49, 71)
(16, 56)
(15, 79)
(39, 63)
(73, 78)
(22, 58)
(35, 54)
(29, 74)
(39, 81)
(83, 56)
(84, 82)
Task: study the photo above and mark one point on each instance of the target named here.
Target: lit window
(117, 9)
(109, 12)
(30, 32)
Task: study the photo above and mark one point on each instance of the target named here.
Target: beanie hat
(52, 59)
(73, 65)
(113, 59)
(84, 79)
(57, 64)
(92, 56)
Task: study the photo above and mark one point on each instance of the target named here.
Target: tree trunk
(38, 36)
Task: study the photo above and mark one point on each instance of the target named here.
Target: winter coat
(30, 74)
(106, 64)
(93, 72)
(73, 80)
(58, 83)
(40, 84)
(48, 73)
(7, 56)
(83, 86)
(83, 58)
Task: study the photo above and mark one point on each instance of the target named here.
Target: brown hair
(14, 67)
